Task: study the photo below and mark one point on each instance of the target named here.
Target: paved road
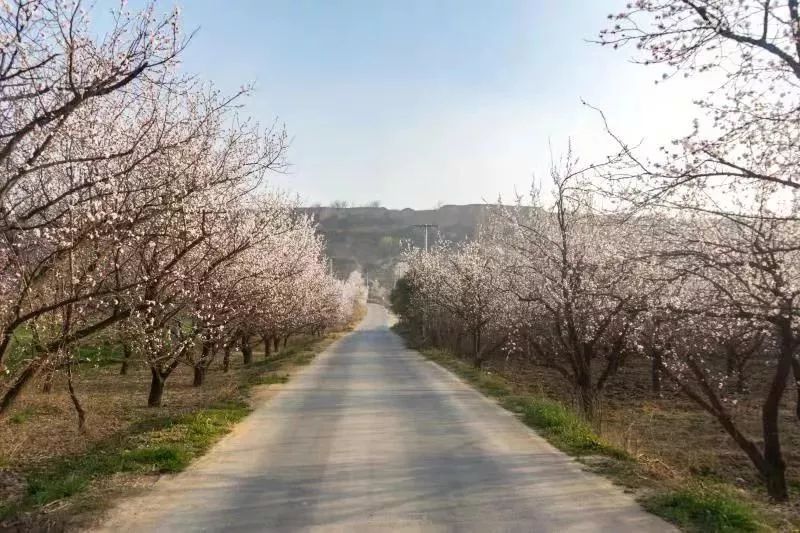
(372, 437)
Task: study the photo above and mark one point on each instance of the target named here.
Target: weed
(272, 379)
(304, 358)
(703, 509)
(21, 416)
(565, 429)
(557, 423)
(100, 355)
(159, 459)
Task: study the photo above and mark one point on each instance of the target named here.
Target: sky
(415, 103)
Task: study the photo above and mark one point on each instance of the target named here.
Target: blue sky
(416, 102)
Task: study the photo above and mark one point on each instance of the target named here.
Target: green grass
(20, 348)
(272, 379)
(102, 355)
(21, 416)
(304, 358)
(704, 510)
(561, 426)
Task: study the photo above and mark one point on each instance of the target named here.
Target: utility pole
(426, 226)
(424, 317)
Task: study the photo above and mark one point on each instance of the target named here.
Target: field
(676, 459)
(53, 477)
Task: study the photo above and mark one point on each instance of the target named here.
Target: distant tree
(401, 298)
(459, 288)
(388, 244)
(339, 204)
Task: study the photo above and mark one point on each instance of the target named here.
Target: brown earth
(42, 427)
(670, 433)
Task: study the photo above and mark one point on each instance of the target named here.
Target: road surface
(373, 437)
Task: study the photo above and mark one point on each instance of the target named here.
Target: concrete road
(372, 437)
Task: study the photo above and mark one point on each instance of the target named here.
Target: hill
(371, 239)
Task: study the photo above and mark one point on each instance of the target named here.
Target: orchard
(135, 205)
(687, 259)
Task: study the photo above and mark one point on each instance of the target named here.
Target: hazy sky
(413, 102)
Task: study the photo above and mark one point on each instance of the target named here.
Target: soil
(670, 433)
(43, 426)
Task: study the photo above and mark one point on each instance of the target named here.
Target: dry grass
(40, 437)
(674, 440)
(44, 425)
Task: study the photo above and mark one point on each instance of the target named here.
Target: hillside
(371, 239)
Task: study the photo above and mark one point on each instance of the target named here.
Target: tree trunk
(267, 346)
(655, 371)
(741, 382)
(436, 338)
(730, 359)
(477, 360)
(75, 401)
(796, 373)
(775, 467)
(226, 359)
(22, 379)
(773, 477)
(735, 363)
(748, 446)
(285, 341)
(776, 479)
(247, 350)
(207, 354)
(199, 375)
(586, 403)
(586, 395)
(276, 343)
(5, 341)
(156, 389)
(126, 355)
